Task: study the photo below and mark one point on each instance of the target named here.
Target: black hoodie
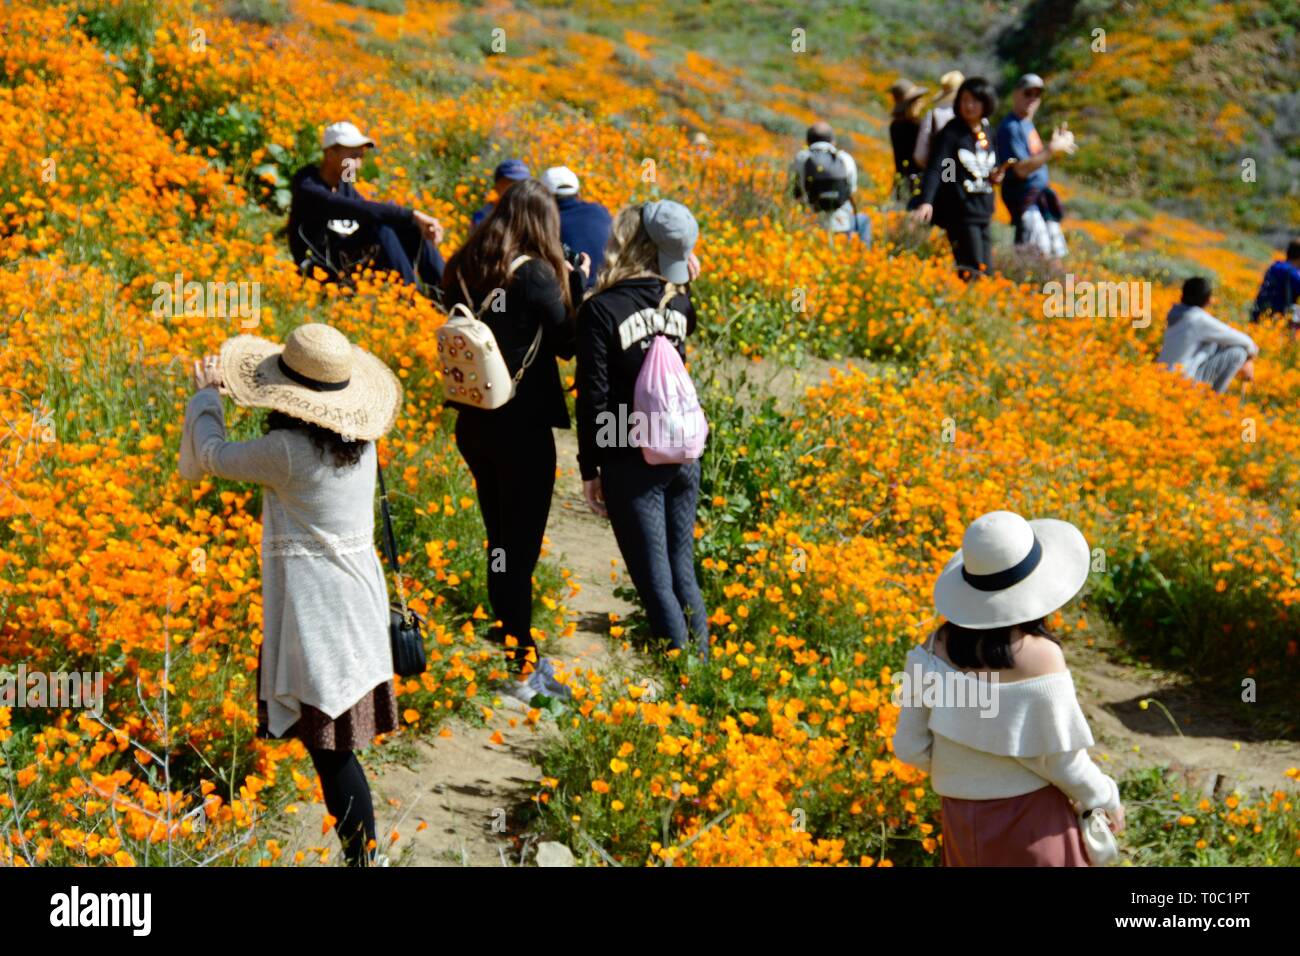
(615, 330)
(970, 198)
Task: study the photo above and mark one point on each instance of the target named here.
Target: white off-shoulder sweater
(1038, 737)
(324, 597)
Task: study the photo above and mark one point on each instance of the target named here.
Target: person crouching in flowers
(325, 666)
(1007, 775)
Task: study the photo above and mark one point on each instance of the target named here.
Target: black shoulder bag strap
(390, 539)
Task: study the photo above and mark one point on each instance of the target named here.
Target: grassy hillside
(1168, 97)
(1183, 94)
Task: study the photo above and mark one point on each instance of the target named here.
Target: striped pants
(1218, 370)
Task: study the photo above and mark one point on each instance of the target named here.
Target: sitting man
(1280, 290)
(333, 227)
(1204, 348)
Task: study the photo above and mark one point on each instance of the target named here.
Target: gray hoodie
(1192, 335)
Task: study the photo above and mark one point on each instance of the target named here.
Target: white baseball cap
(344, 134)
(561, 181)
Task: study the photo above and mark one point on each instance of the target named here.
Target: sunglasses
(1033, 92)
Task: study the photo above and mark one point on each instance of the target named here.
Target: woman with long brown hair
(512, 273)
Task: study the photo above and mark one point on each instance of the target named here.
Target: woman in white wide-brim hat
(325, 668)
(1009, 761)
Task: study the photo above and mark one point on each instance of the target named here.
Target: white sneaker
(542, 679)
(519, 692)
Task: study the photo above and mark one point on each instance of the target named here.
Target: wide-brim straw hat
(905, 93)
(317, 376)
(1010, 571)
(949, 84)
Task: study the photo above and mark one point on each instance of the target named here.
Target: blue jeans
(404, 250)
(652, 512)
(862, 227)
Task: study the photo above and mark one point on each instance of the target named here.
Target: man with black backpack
(825, 177)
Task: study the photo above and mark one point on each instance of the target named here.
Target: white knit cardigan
(1039, 736)
(324, 597)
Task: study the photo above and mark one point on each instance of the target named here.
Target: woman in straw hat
(988, 707)
(325, 666)
(942, 110)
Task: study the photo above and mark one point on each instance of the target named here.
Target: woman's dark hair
(1293, 250)
(1196, 291)
(524, 221)
(990, 648)
(341, 452)
(982, 90)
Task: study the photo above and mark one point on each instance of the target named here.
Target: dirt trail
(1218, 749)
(465, 788)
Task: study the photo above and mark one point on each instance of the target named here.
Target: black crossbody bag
(404, 625)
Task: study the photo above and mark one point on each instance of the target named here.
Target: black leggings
(652, 511)
(514, 475)
(971, 248)
(347, 798)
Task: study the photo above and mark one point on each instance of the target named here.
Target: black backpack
(826, 180)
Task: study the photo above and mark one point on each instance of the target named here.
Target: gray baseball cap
(1030, 81)
(674, 231)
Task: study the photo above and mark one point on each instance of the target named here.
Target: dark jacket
(614, 335)
(902, 137)
(585, 227)
(314, 203)
(532, 296)
(971, 197)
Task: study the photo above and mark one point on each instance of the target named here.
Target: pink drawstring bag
(667, 407)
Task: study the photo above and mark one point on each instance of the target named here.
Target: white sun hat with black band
(317, 376)
(1010, 571)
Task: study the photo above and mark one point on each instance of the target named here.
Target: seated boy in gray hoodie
(1201, 346)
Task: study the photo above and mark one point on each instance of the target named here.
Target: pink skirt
(1034, 829)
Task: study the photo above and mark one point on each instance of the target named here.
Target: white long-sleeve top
(934, 121)
(1192, 335)
(324, 597)
(1037, 737)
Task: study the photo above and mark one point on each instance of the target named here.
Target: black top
(902, 137)
(970, 198)
(315, 202)
(615, 330)
(533, 296)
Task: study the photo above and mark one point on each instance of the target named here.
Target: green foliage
(379, 6)
(1167, 826)
(267, 13)
(118, 27)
